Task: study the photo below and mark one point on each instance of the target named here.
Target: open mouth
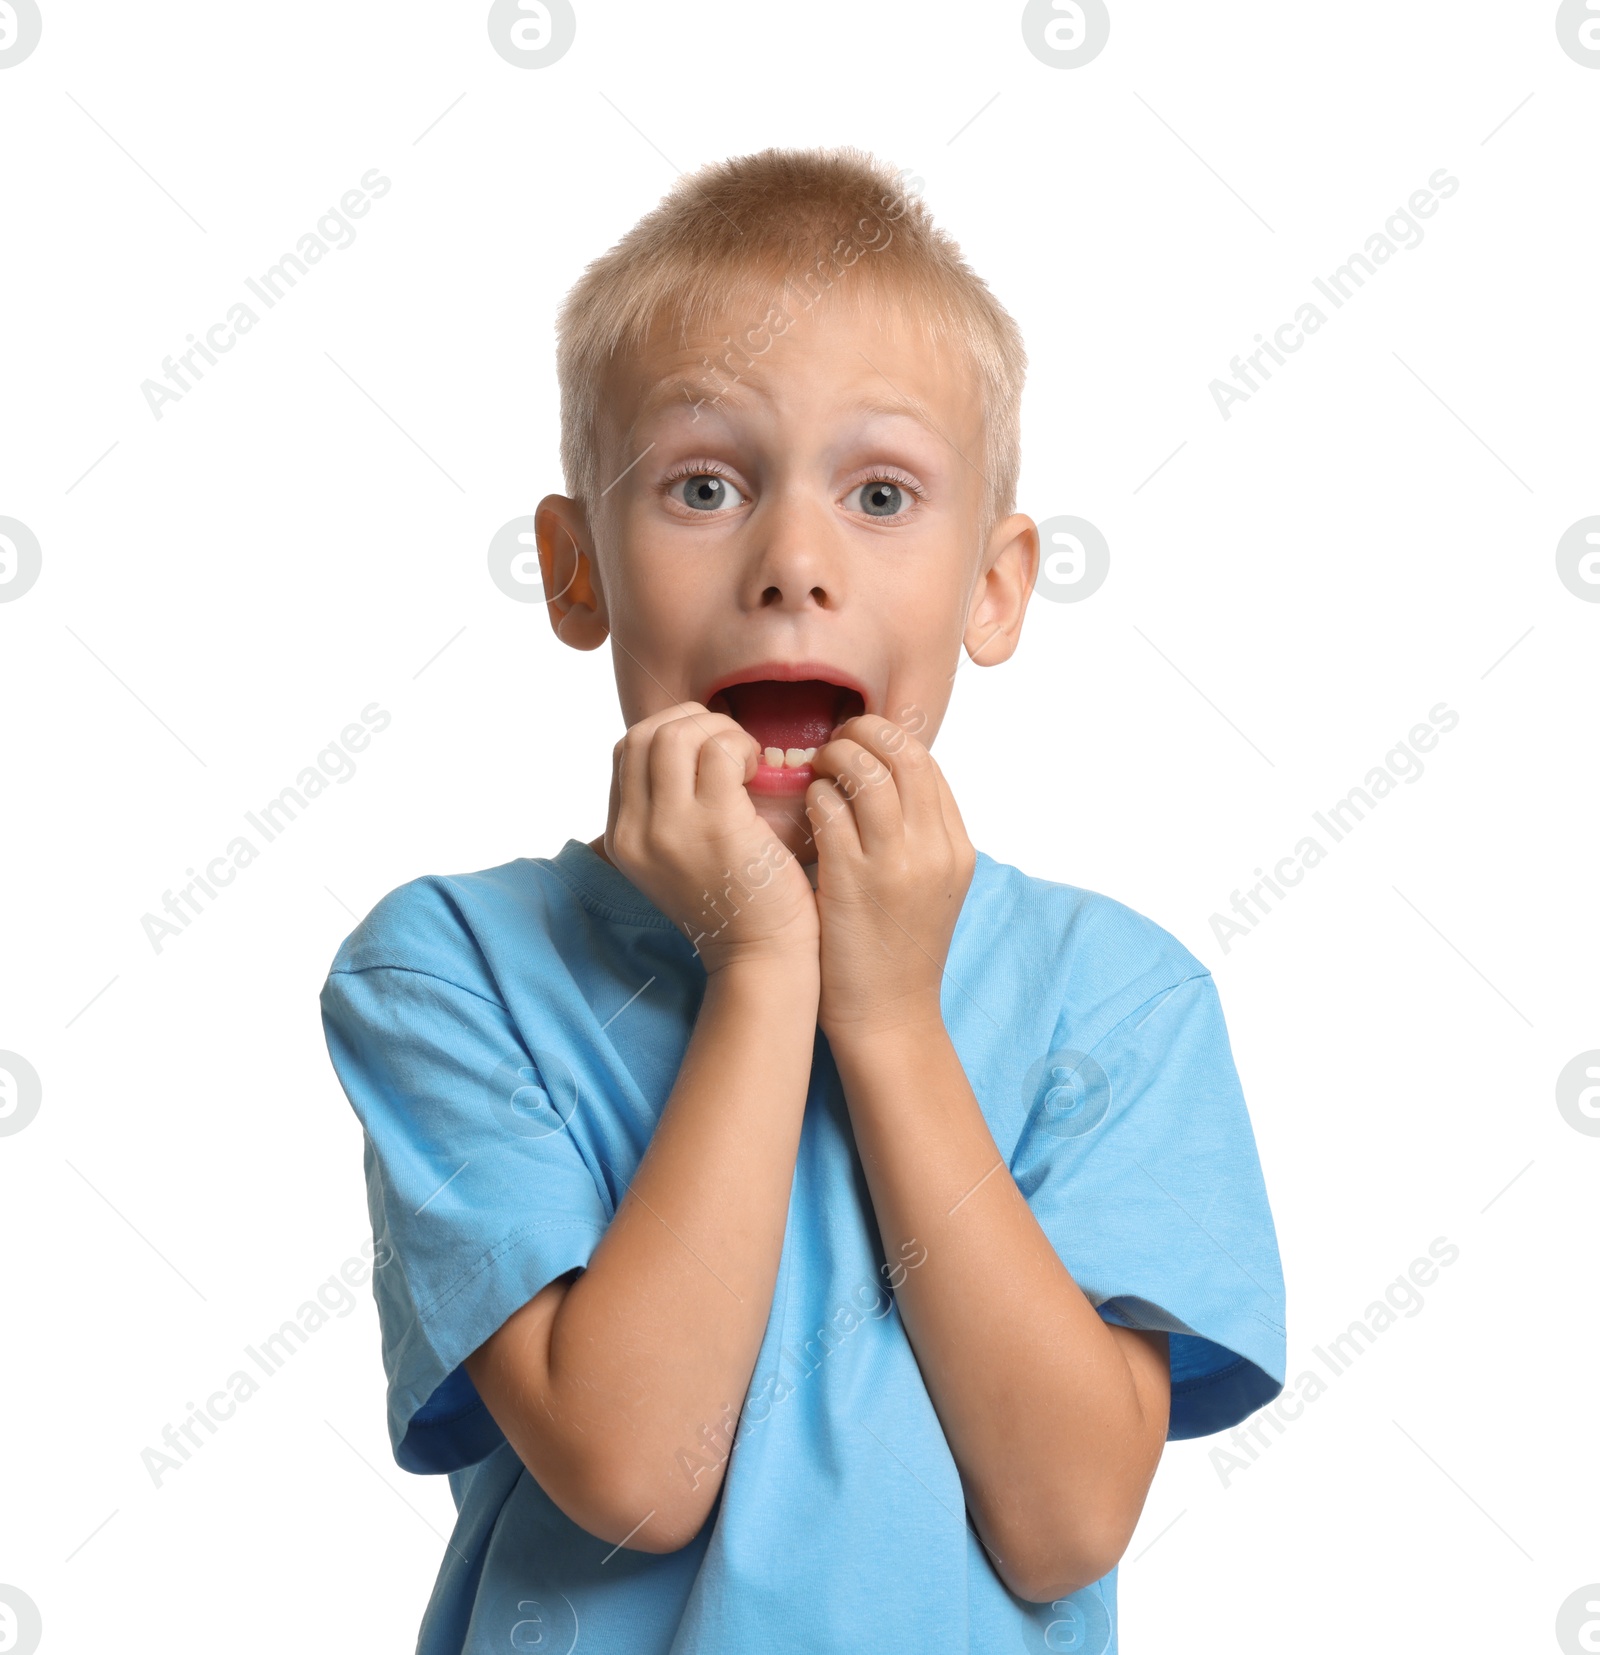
(791, 719)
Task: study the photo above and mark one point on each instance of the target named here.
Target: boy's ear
(566, 564)
(1005, 583)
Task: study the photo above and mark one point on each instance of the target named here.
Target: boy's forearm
(1049, 1412)
(625, 1412)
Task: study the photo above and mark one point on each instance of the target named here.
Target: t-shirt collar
(604, 888)
(607, 890)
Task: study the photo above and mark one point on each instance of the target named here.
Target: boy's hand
(682, 827)
(893, 866)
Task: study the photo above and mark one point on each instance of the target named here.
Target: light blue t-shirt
(508, 1040)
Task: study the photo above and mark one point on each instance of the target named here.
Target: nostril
(773, 596)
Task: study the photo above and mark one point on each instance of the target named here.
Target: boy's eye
(881, 498)
(707, 492)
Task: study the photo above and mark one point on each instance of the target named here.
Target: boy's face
(804, 545)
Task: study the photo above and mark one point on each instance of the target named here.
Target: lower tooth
(787, 758)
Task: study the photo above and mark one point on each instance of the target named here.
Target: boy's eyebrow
(919, 412)
(897, 406)
(667, 393)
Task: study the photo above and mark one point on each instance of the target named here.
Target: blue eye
(881, 498)
(705, 491)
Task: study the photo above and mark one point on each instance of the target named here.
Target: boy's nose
(795, 557)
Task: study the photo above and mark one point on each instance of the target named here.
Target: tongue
(786, 715)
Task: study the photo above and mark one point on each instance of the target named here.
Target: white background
(223, 589)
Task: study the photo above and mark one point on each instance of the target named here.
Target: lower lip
(780, 780)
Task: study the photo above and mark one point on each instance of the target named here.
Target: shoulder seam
(414, 971)
(1166, 993)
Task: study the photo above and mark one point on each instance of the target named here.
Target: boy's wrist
(889, 1034)
(793, 970)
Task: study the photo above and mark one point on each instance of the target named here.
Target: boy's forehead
(867, 361)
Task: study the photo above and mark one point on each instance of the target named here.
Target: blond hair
(799, 221)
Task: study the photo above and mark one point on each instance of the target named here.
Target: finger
(615, 802)
(867, 786)
(909, 761)
(729, 757)
(630, 787)
(631, 771)
(954, 826)
(833, 823)
(651, 722)
(674, 756)
(702, 757)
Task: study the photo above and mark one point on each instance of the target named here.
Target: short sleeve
(478, 1192)
(1138, 1159)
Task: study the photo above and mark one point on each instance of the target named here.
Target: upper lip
(791, 672)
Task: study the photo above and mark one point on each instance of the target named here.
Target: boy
(805, 1230)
